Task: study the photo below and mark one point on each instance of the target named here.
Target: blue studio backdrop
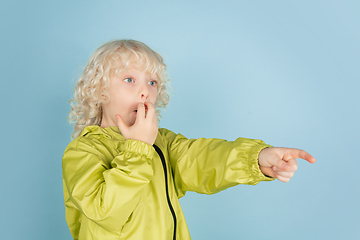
(286, 72)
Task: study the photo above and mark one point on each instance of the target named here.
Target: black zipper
(161, 155)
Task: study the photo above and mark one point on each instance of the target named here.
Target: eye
(152, 83)
(129, 80)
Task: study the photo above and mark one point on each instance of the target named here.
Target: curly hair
(107, 61)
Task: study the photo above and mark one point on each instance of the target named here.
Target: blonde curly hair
(107, 61)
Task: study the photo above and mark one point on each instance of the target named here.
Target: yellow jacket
(127, 189)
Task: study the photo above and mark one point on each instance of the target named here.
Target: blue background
(286, 72)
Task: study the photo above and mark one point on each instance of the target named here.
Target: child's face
(127, 89)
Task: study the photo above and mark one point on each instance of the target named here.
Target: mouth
(146, 109)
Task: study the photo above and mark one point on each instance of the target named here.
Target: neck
(107, 122)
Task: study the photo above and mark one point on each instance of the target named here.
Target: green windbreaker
(127, 189)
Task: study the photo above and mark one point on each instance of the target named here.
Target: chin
(130, 124)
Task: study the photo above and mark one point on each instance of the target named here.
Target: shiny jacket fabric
(124, 189)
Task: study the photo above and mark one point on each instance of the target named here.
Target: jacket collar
(108, 132)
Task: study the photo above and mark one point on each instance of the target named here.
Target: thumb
(121, 124)
(280, 164)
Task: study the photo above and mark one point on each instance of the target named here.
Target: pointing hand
(281, 162)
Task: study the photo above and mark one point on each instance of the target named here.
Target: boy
(123, 176)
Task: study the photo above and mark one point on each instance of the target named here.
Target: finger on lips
(141, 110)
(150, 110)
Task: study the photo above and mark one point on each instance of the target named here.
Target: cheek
(121, 97)
(154, 95)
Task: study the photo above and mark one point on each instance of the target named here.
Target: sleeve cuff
(254, 165)
(139, 147)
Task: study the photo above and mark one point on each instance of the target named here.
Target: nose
(144, 92)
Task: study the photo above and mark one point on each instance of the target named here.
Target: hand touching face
(131, 107)
(145, 127)
(127, 90)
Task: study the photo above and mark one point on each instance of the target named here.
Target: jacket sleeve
(107, 195)
(212, 165)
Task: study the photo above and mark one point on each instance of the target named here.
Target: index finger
(150, 109)
(298, 153)
(140, 111)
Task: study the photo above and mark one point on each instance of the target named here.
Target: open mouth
(146, 109)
